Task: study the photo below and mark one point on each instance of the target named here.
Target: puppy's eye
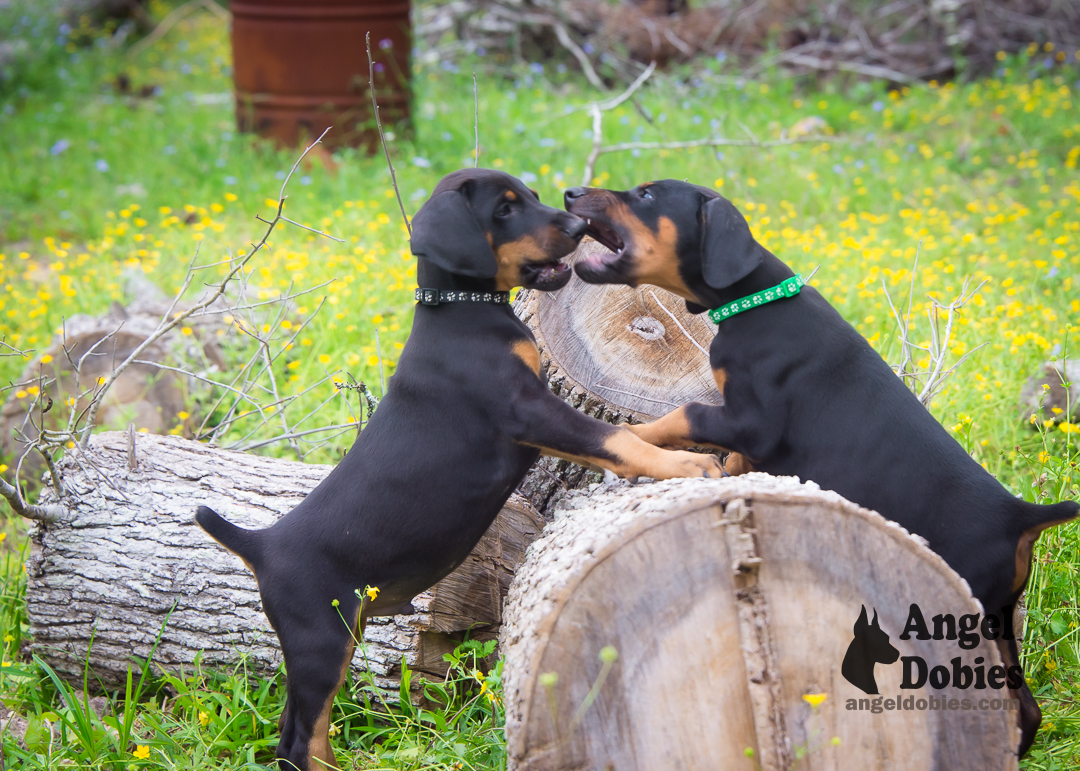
(504, 210)
(644, 193)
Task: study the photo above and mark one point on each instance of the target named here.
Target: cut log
(731, 604)
(617, 353)
(128, 555)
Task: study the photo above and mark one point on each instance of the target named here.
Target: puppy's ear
(446, 232)
(728, 250)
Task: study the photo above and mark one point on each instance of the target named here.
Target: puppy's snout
(574, 227)
(573, 193)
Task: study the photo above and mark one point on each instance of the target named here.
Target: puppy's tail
(1039, 517)
(247, 544)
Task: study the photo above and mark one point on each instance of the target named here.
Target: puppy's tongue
(601, 259)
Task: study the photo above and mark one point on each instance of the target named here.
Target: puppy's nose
(574, 227)
(573, 193)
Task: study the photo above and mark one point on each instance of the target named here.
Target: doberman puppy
(806, 395)
(464, 417)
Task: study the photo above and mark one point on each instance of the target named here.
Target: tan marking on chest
(720, 376)
(527, 352)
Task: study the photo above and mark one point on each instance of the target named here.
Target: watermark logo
(871, 646)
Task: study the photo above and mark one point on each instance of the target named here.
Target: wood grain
(728, 601)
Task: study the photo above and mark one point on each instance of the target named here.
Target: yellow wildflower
(142, 752)
(372, 592)
(815, 699)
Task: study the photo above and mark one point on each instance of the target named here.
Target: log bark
(129, 555)
(728, 601)
(617, 353)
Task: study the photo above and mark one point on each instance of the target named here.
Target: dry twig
(926, 381)
(382, 135)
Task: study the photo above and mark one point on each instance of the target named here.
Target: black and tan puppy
(465, 416)
(806, 395)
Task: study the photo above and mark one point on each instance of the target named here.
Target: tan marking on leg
(527, 352)
(633, 458)
(672, 430)
(1024, 548)
(320, 752)
(736, 464)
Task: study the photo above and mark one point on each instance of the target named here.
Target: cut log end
(728, 602)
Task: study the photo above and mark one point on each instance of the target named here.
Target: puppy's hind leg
(316, 662)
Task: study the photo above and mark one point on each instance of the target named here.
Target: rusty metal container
(300, 67)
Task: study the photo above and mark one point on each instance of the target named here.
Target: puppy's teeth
(588, 221)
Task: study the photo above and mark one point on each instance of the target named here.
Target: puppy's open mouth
(604, 267)
(545, 276)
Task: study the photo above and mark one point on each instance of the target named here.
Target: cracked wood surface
(129, 550)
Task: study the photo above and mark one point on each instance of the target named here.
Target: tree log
(128, 555)
(728, 602)
(617, 353)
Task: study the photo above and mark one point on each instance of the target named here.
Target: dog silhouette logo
(870, 646)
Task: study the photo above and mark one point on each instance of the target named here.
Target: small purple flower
(721, 56)
(102, 165)
(386, 43)
(1052, 272)
(59, 147)
(481, 51)
(379, 67)
(588, 48)
(878, 106)
(536, 67)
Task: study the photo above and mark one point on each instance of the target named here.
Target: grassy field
(980, 179)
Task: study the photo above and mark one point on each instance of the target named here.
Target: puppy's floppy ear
(446, 232)
(728, 250)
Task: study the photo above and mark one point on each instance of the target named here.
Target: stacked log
(128, 567)
(617, 353)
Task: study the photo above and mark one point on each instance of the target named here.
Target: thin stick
(382, 136)
(476, 122)
(680, 326)
(174, 18)
(597, 110)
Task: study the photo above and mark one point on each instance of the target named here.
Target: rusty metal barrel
(300, 67)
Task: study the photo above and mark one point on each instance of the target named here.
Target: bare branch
(382, 135)
(167, 324)
(476, 122)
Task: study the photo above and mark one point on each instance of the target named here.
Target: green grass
(980, 178)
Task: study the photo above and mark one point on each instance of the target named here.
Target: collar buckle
(427, 296)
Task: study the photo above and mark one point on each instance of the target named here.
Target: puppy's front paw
(693, 464)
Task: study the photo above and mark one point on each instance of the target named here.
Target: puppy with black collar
(464, 417)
